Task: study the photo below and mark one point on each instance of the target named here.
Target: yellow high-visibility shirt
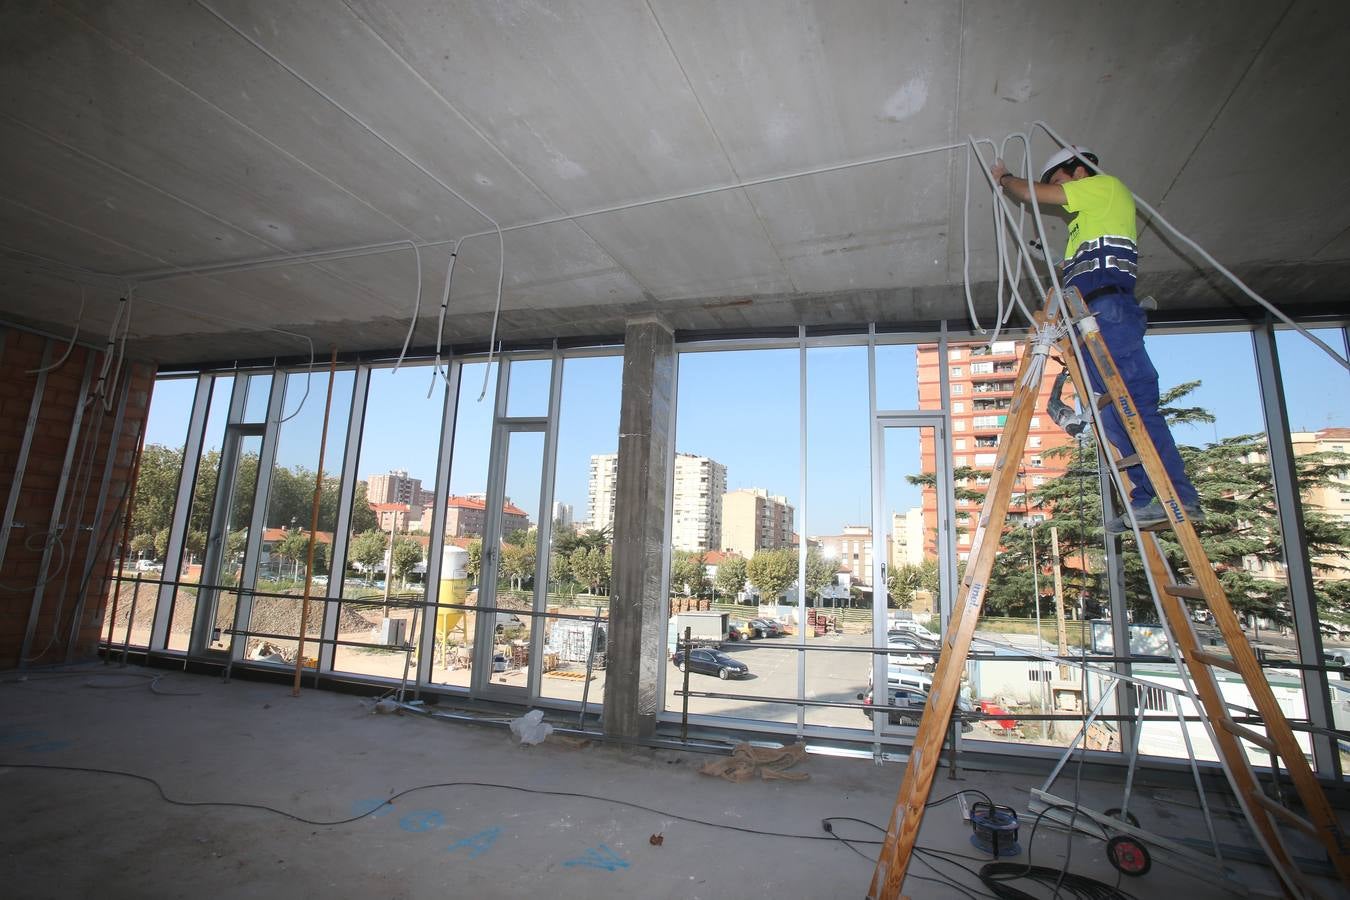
(1103, 206)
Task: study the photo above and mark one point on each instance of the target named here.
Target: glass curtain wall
(284, 548)
(465, 517)
(388, 536)
(201, 502)
(161, 467)
(1319, 432)
(582, 532)
(838, 529)
(734, 501)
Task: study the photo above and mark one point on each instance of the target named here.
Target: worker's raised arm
(1021, 189)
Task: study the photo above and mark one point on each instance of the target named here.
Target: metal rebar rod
(131, 618)
(590, 663)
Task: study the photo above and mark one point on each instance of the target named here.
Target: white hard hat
(1062, 156)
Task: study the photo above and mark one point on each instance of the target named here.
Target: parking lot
(830, 675)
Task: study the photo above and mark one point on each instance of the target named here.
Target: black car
(712, 662)
(911, 702)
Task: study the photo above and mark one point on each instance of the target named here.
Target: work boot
(1152, 517)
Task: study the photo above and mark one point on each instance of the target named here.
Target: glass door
(228, 539)
(507, 645)
(910, 479)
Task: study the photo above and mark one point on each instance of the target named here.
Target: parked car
(911, 702)
(913, 628)
(1337, 658)
(762, 628)
(736, 631)
(708, 661)
(912, 639)
(909, 651)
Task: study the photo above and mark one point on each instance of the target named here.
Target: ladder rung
(1285, 813)
(1247, 734)
(1126, 462)
(1191, 591)
(1103, 401)
(1209, 659)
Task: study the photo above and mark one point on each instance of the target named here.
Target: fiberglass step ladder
(1264, 814)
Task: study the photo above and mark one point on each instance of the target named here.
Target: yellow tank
(454, 587)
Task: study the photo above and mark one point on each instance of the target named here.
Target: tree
(517, 564)
(407, 554)
(156, 491)
(293, 547)
(731, 576)
(591, 567)
(1233, 478)
(773, 572)
(688, 572)
(368, 549)
(473, 566)
(901, 583)
(820, 572)
(363, 517)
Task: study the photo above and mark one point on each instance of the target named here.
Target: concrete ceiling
(137, 136)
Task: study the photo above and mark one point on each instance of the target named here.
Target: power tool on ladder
(1265, 815)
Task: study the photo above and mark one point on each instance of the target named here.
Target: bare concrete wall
(636, 609)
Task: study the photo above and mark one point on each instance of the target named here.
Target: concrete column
(646, 417)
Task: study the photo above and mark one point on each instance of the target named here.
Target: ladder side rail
(907, 815)
(1197, 679)
(1277, 726)
(1232, 754)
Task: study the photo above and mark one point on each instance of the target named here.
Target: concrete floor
(328, 756)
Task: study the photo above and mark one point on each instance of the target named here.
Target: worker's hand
(998, 170)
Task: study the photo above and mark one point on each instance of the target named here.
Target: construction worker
(1101, 260)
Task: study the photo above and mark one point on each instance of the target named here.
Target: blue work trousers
(1122, 325)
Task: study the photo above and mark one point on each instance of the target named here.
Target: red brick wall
(40, 482)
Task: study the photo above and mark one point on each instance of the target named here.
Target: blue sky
(740, 408)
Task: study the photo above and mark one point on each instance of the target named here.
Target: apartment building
(851, 551)
(467, 516)
(396, 486)
(1331, 500)
(907, 538)
(604, 483)
(981, 377)
(753, 519)
(696, 514)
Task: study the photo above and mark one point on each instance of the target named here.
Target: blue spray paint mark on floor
(599, 858)
(422, 820)
(478, 843)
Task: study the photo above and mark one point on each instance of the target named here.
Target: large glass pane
(284, 549)
(1319, 421)
(156, 493)
(464, 522)
(899, 381)
(1037, 604)
(838, 527)
(517, 553)
(529, 387)
(240, 478)
(202, 503)
(392, 505)
(259, 389)
(911, 597)
(736, 433)
(588, 442)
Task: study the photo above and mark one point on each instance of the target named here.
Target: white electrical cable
(501, 275)
(417, 305)
(79, 317)
(1204, 254)
(111, 346)
(121, 355)
(438, 371)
